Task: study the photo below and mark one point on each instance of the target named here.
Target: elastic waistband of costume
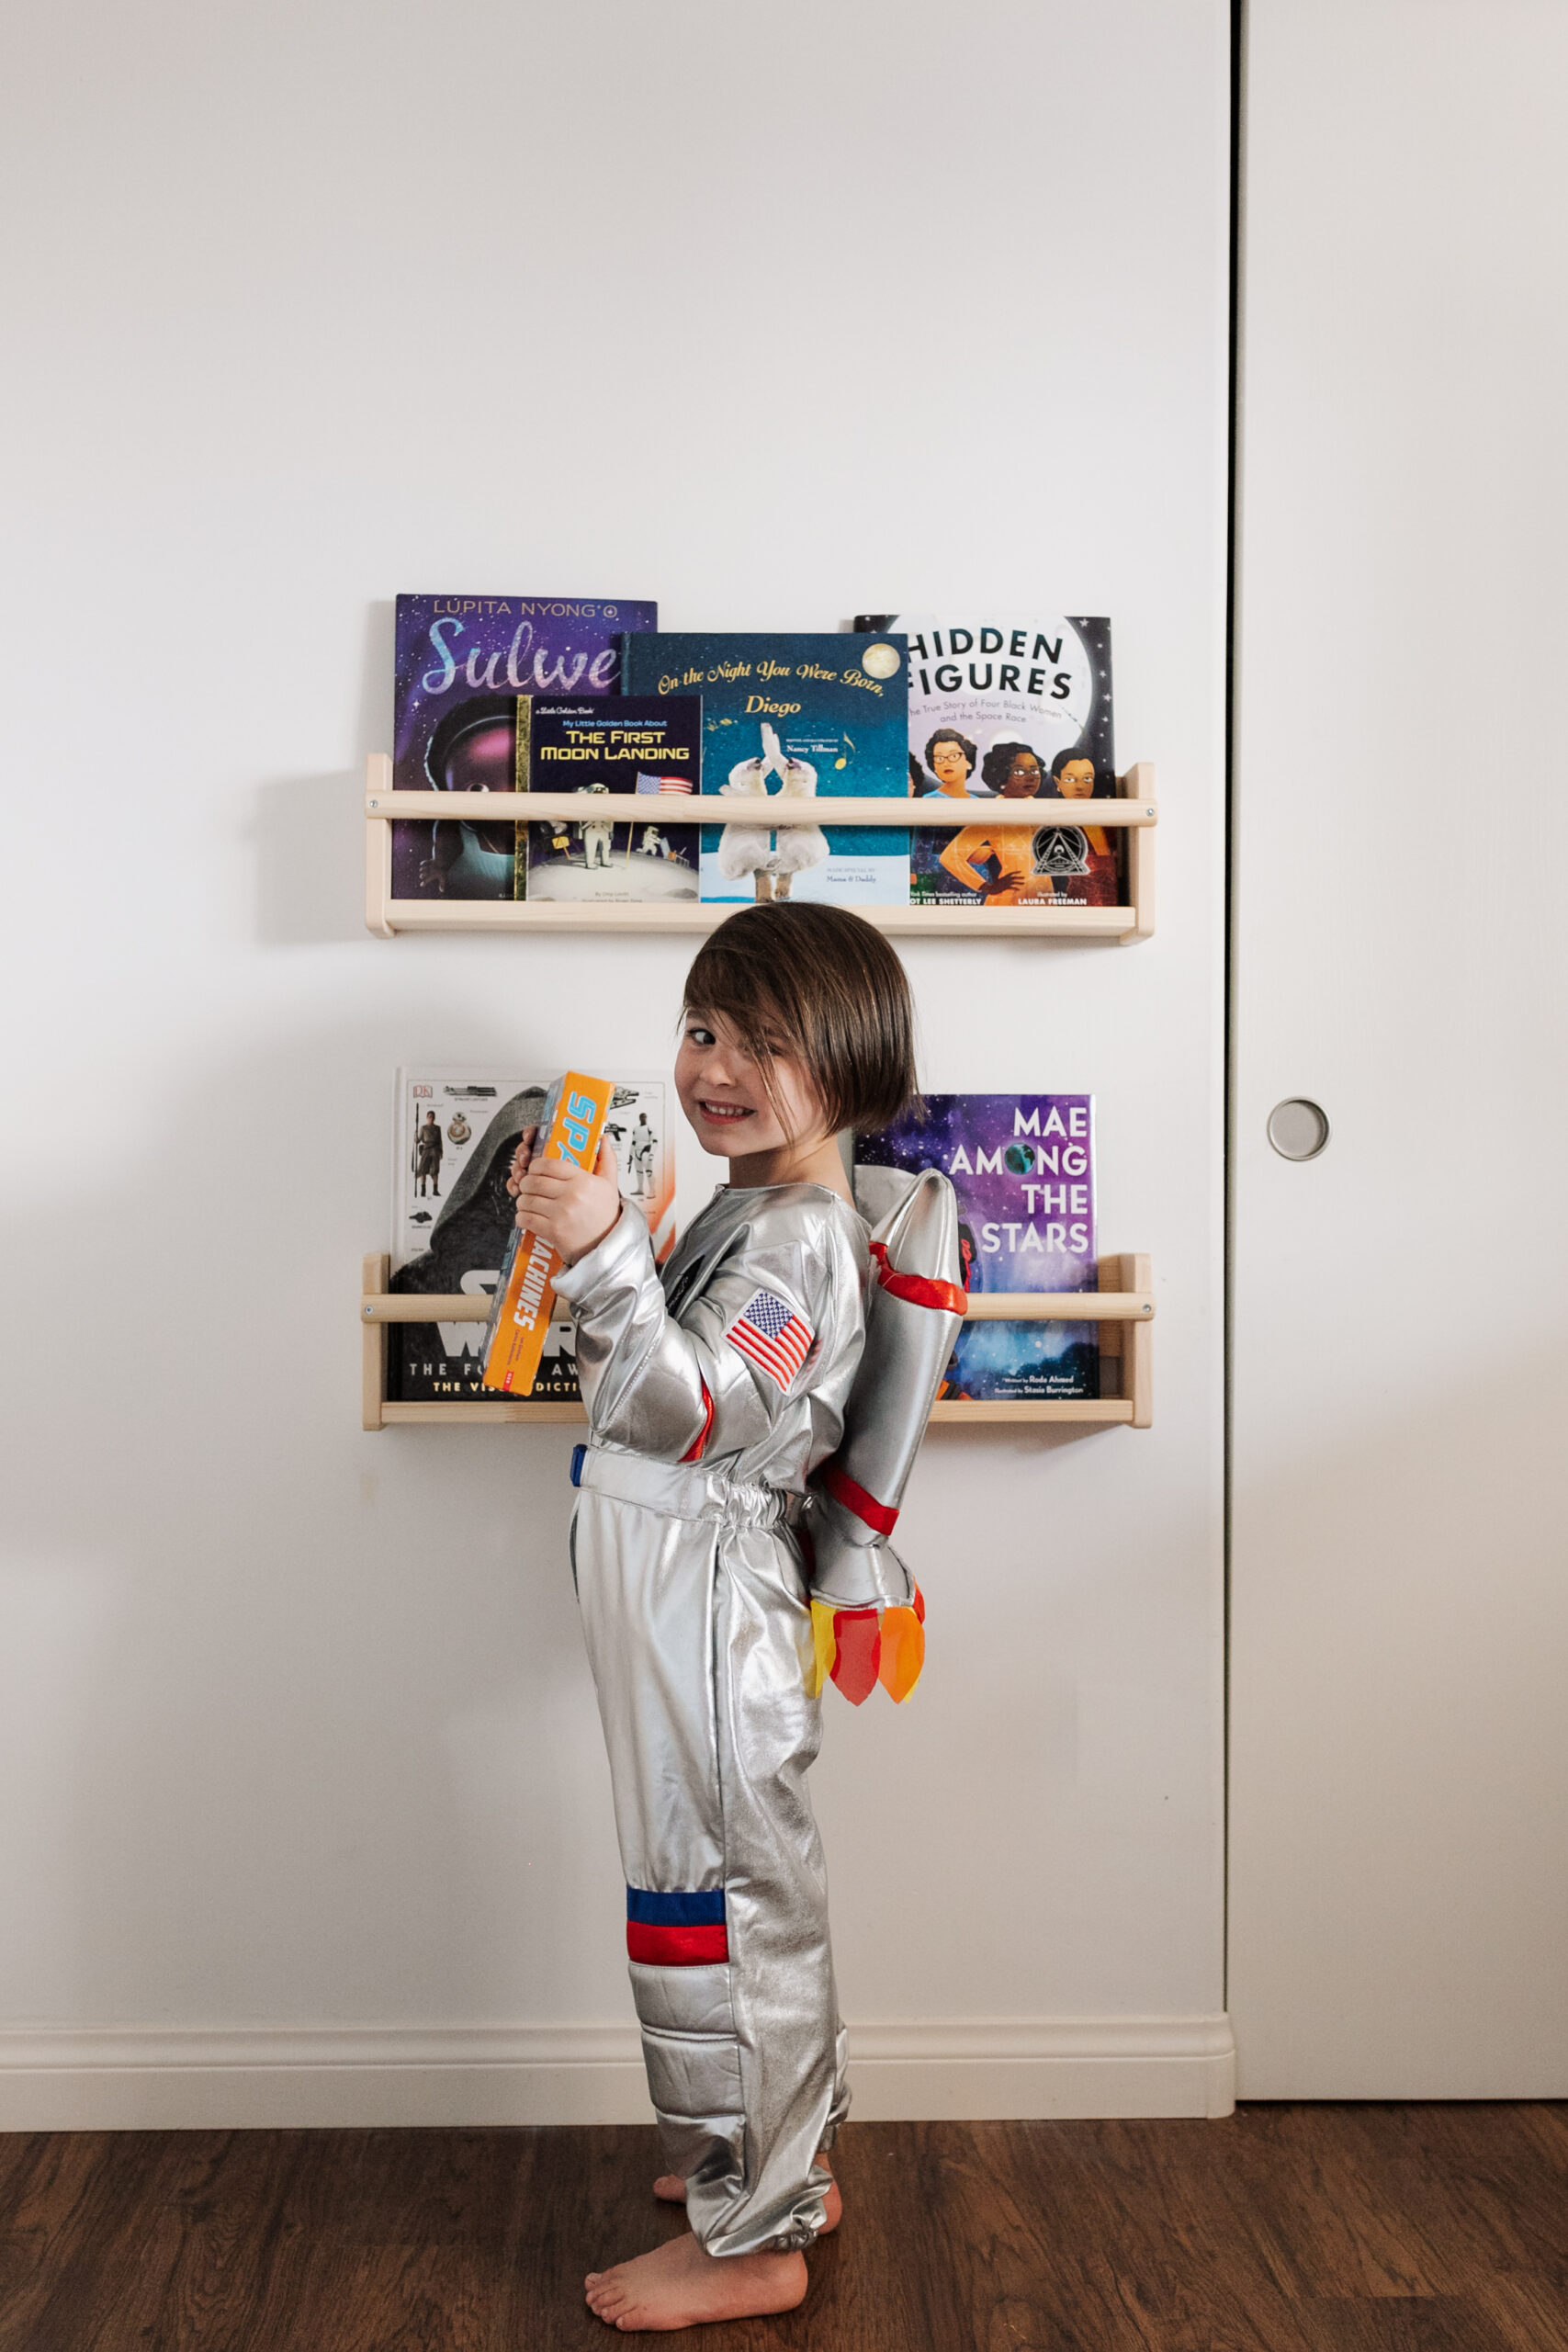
(681, 1490)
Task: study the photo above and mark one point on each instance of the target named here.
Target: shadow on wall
(303, 900)
(298, 1727)
(308, 837)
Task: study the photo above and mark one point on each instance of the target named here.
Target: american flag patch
(769, 1332)
(646, 783)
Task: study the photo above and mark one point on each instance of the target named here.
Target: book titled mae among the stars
(1022, 1165)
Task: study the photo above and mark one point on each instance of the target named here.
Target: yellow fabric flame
(825, 1648)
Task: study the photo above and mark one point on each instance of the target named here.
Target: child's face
(722, 1095)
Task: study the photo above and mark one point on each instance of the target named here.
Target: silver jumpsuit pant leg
(699, 1635)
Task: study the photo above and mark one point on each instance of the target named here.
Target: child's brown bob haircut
(819, 983)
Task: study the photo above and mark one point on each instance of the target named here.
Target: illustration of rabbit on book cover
(820, 717)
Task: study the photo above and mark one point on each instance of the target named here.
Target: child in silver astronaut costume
(753, 1415)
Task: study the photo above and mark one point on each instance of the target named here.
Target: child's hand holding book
(568, 1207)
(567, 1198)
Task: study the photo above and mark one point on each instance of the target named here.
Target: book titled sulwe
(463, 666)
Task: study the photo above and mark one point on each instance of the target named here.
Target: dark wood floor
(1287, 2229)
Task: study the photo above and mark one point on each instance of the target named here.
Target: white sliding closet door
(1399, 1794)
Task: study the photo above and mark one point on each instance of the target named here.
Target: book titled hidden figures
(818, 717)
(1020, 711)
(462, 664)
(1022, 1165)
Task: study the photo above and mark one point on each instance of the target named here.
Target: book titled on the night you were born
(463, 667)
(1022, 1165)
(818, 718)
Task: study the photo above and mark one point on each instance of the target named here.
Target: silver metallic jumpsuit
(711, 1398)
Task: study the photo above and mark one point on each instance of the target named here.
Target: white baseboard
(914, 2069)
(929, 2069)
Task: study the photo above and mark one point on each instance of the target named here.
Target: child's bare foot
(680, 2286)
(671, 2189)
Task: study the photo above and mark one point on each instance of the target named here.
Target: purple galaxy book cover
(1022, 1165)
(462, 662)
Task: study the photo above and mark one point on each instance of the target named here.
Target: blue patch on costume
(578, 1456)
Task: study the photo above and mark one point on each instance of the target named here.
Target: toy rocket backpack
(867, 1616)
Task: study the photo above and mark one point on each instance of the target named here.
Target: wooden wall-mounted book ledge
(1123, 1307)
(1134, 810)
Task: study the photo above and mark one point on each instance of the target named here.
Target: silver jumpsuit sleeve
(772, 1317)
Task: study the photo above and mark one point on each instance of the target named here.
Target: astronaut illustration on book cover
(467, 668)
(645, 747)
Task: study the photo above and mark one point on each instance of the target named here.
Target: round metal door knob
(1298, 1129)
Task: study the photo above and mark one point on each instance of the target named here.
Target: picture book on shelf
(1020, 711)
(461, 664)
(1022, 1165)
(821, 717)
(455, 1131)
(624, 743)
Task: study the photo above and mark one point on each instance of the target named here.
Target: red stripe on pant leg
(843, 1490)
(677, 1946)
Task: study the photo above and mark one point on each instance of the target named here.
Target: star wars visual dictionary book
(822, 718)
(455, 1131)
(1022, 1165)
(462, 662)
(624, 744)
(1020, 711)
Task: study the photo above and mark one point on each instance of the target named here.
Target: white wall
(773, 314)
(1399, 1783)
